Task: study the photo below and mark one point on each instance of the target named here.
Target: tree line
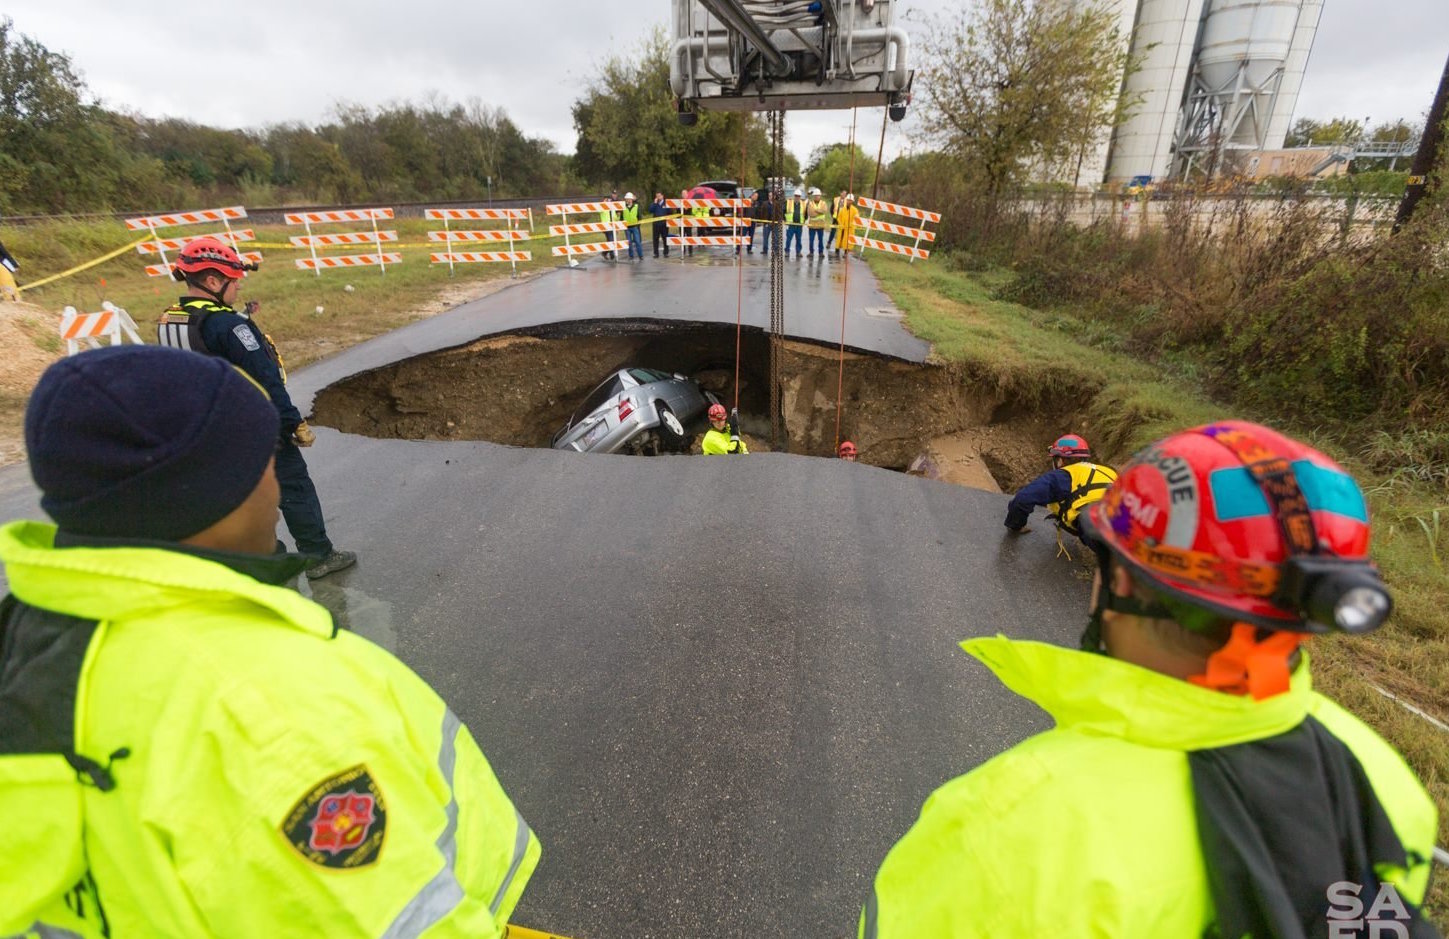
(62, 152)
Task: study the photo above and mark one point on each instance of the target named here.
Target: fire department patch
(340, 822)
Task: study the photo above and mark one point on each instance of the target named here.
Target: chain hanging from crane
(777, 277)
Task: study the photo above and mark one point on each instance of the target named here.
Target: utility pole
(1427, 159)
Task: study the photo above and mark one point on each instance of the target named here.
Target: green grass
(1059, 364)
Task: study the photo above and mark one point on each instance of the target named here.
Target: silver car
(638, 410)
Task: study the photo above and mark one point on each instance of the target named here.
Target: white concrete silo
(1163, 38)
(1237, 78)
(1282, 120)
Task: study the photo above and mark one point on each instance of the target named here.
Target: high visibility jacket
(249, 771)
(794, 212)
(817, 213)
(631, 215)
(1089, 829)
(700, 211)
(1090, 482)
(846, 218)
(718, 443)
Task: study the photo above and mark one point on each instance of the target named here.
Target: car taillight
(626, 407)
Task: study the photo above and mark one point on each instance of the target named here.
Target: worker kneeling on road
(1195, 783)
(1073, 483)
(206, 321)
(723, 436)
(188, 748)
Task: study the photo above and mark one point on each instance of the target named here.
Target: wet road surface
(719, 689)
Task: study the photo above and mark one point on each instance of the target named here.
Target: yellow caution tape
(80, 267)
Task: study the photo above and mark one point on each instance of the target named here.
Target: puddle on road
(520, 388)
(354, 610)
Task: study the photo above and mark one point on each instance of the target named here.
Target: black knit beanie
(146, 442)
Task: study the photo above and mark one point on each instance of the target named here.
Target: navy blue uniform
(1049, 488)
(203, 325)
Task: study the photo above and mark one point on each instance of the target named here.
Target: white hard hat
(814, 190)
(628, 195)
(799, 192)
(850, 197)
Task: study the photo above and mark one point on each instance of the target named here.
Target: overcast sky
(270, 62)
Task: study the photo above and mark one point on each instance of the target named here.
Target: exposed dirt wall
(519, 389)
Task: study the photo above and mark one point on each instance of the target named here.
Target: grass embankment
(1054, 363)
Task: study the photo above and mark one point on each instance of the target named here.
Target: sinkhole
(520, 388)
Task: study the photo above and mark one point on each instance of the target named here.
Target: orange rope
(739, 269)
(845, 298)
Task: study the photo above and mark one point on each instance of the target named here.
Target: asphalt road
(719, 689)
(707, 287)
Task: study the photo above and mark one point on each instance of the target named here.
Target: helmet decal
(1247, 523)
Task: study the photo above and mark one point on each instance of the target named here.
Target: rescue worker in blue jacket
(187, 746)
(1073, 483)
(205, 320)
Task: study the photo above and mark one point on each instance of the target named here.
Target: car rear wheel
(671, 430)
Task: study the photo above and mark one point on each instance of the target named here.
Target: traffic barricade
(376, 238)
(510, 234)
(872, 224)
(88, 329)
(735, 222)
(567, 231)
(161, 245)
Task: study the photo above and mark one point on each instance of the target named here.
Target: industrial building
(1217, 80)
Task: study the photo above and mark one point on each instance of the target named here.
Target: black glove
(735, 425)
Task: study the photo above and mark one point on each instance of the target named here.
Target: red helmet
(847, 448)
(209, 254)
(1249, 525)
(1071, 446)
(717, 412)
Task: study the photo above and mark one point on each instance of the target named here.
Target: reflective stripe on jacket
(226, 711)
(1090, 482)
(1089, 829)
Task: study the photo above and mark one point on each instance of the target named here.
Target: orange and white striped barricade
(197, 217)
(88, 329)
(570, 250)
(317, 263)
(162, 245)
(734, 222)
(920, 234)
(450, 237)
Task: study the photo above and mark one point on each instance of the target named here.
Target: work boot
(331, 564)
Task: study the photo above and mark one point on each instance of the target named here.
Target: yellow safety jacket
(718, 443)
(205, 755)
(845, 221)
(1090, 481)
(1090, 829)
(630, 215)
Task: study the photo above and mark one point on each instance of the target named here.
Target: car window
(643, 375)
(610, 387)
